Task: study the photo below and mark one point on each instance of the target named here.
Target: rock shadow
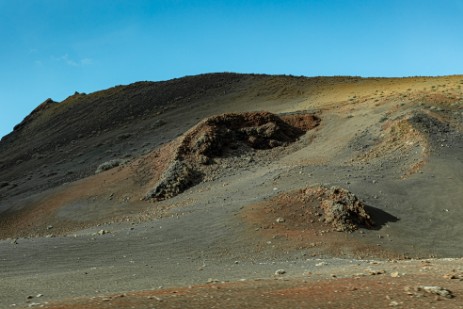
(380, 217)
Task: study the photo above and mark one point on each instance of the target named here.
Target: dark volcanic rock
(215, 135)
(178, 177)
(258, 130)
(340, 208)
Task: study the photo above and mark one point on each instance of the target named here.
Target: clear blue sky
(52, 48)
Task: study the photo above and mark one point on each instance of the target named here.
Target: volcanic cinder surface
(237, 191)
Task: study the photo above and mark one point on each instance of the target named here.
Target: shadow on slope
(379, 217)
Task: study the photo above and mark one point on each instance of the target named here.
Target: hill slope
(219, 168)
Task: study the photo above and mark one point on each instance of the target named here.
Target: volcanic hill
(226, 175)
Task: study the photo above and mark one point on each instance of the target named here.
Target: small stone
(395, 274)
(210, 280)
(409, 291)
(280, 220)
(280, 272)
(394, 304)
(375, 272)
(437, 290)
(454, 276)
(103, 232)
(154, 297)
(449, 276)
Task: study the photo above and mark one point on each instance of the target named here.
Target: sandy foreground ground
(244, 235)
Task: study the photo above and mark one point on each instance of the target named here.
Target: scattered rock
(258, 130)
(158, 123)
(437, 290)
(155, 297)
(395, 274)
(431, 289)
(340, 208)
(454, 276)
(394, 303)
(280, 272)
(109, 165)
(178, 177)
(103, 232)
(375, 272)
(280, 220)
(124, 135)
(408, 290)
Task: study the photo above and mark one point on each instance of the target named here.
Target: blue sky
(52, 48)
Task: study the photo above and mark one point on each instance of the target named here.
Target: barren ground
(236, 209)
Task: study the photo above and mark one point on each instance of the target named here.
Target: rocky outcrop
(216, 136)
(178, 177)
(257, 130)
(340, 208)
